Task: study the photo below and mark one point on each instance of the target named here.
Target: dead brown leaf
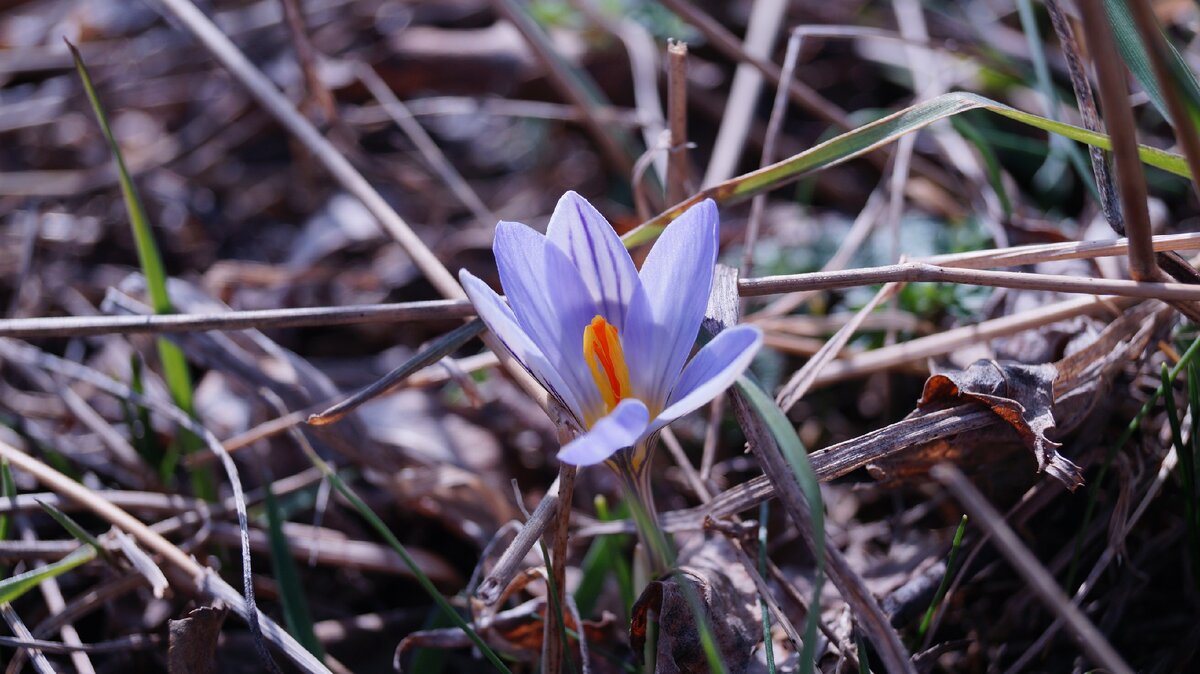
(727, 596)
(193, 641)
(1021, 395)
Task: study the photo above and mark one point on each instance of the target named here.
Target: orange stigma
(602, 351)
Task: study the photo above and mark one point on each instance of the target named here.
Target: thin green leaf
(1133, 52)
(75, 529)
(1051, 171)
(764, 513)
(797, 456)
(8, 489)
(708, 641)
(876, 134)
(1187, 466)
(556, 609)
(431, 660)
(1111, 455)
(141, 433)
(175, 368)
(423, 580)
(1168, 387)
(12, 588)
(864, 661)
(148, 255)
(291, 592)
(945, 584)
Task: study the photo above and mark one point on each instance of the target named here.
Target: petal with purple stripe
(501, 321)
(663, 324)
(580, 231)
(550, 303)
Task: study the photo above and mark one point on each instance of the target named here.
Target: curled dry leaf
(728, 598)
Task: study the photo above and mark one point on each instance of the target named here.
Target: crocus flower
(610, 343)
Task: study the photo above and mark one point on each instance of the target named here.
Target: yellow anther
(602, 351)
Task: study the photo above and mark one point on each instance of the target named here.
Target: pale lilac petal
(551, 304)
(574, 310)
(503, 324)
(663, 324)
(714, 369)
(590, 242)
(620, 429)
(521, 260)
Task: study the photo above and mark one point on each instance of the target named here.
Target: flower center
(602, 351)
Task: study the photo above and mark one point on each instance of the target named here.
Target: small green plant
(943, 586)
(1186, 450)
(175, 367)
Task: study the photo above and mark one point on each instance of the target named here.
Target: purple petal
(713, 370)
(590, 242)
(551, 304)
(663, 324)
(501, 321)
(620, 429)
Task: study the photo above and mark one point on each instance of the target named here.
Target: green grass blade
(797, 456)
(1168, 387)
(78, 532)
(12, 588)
(291, 592)
(140, 429)
(1133, 52)
(945, 584)
(148, 255)
(431, 660)
(881, 132)
(1193, 448)
(8, 489)
(1050, 172)
(708, 640)
(764, 513)
(423, 580)
(557, 610)
(1111, 455)
(864, 661)
(175, 368)
(1187, 466)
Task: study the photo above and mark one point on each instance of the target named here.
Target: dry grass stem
(679, 168)
(912, 272)
(1118, 118)
(399, 113)
(720, 37)
(554, 653)
(803, 379)
(931, 346)
(1181, 121)
(506, 567)
(778, 111)
(441, 310)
